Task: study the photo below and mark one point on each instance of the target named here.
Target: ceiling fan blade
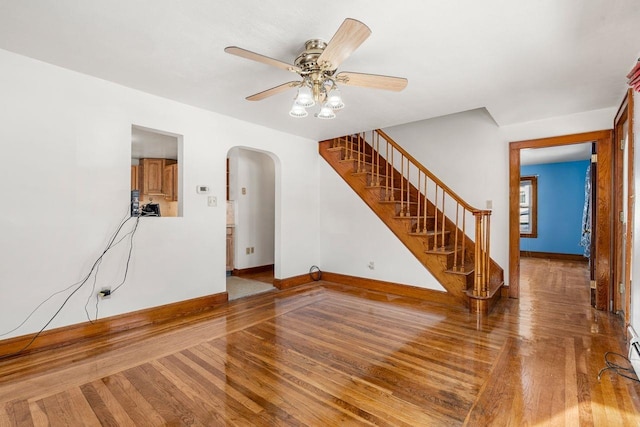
(374, 81)
(247, 54)
(273, 91)
(350, 35)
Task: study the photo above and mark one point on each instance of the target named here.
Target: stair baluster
(392, 173)
(455, 239)
(426, 210)
(444, 217)
(401, 185)
(418, 201)
(435, 221)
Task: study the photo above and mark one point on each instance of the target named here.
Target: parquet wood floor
(326, 354)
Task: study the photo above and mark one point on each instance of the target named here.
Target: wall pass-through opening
(155, 173)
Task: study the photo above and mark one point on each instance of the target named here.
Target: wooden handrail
(431, 175)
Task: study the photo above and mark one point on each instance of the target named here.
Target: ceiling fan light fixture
(326, 113)
(298, 111)
(334, 100)
(317, 66)
(305, 97)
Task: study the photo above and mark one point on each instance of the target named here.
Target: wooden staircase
(427, 216)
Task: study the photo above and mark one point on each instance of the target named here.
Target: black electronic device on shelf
(150, 209)
(135, 202)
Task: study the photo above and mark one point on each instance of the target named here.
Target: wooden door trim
(625, 112)
(603, 140)
(630, 208)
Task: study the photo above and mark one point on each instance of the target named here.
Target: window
(529, 206)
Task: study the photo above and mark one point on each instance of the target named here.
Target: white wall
(66, 145)
(586, 121)
(255, 209)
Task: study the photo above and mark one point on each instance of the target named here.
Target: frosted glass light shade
(305, 98)
(326, 113)
(334, 100)
(298, 111)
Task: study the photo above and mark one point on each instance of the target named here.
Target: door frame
(602, 220)
(625, 112)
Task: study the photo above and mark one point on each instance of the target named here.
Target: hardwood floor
(265, 275)
(326, 354)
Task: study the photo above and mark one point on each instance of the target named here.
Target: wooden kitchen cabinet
(150, 174)
(230, 249)
(135, 183)
(170, 181)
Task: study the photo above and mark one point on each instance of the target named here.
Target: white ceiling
(522, 60)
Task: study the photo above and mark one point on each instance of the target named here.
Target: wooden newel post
(487, 254)
(482, 257)
(477, 283)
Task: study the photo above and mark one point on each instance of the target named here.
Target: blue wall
(560, 205)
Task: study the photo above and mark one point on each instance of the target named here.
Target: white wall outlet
(248, 251)
(244, 190)
(372, 266)
(489, 204)
(252, 249)
(212, 201)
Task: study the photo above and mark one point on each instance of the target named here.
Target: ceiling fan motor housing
(307, 61)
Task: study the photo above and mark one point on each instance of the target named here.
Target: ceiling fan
(317, 66)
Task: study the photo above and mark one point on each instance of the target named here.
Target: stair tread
(380, 186)
(362, 161)
(494, 287)
(381, 176)
(468, 269)
(398, 201)
(395, 190)
(428, 233)
(439, 251)
(413, 217)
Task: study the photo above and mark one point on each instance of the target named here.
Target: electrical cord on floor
(78, 285)
(617, 368)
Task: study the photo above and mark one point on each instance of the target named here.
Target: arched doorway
(251, 182)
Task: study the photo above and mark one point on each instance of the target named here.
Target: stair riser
(430, 241)
(420, 226)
